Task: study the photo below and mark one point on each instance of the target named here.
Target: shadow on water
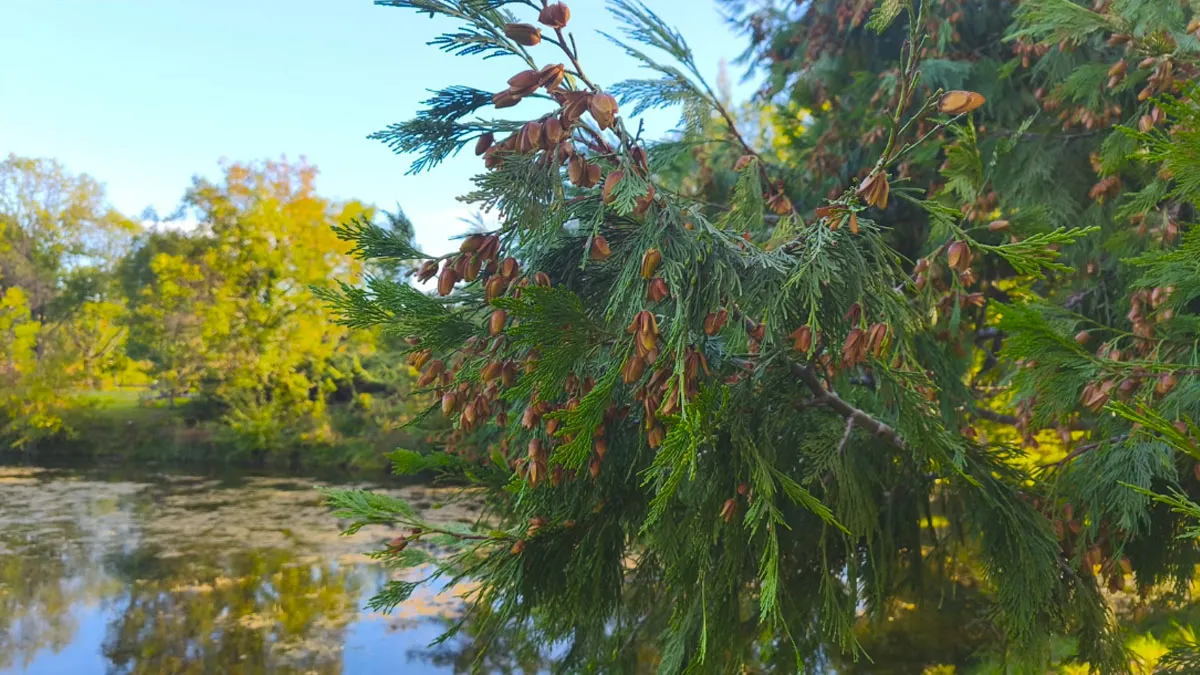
(106, 571)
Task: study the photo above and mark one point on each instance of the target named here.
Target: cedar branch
(839, 405)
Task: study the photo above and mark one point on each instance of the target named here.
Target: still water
(171, 573)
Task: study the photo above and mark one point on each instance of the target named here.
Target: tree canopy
(735, 391)
(221, 316)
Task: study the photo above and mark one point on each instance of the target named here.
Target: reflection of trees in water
(258, 611)
(511, 652)
(49, 537)
(38, 584)
(179, 600)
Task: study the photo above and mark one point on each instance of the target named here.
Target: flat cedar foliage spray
(720, 396)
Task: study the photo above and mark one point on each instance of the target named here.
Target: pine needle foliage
(718, 394)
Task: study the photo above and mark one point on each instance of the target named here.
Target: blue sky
(144, 94)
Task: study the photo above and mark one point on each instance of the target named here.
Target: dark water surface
(177, 573)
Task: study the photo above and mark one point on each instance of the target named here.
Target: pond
(176, 573)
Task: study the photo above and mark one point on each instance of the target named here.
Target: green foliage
(726, 393)
(219, 321)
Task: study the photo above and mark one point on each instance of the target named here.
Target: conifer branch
(1086, 448)
(839, 405)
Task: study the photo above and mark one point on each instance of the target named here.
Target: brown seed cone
(1082, 337)
(419, 359)
(541, 279)
(658, 290)
(505, 99)
(599, 250)
(729, 510)
(650, 260)
(600, 447)
(496, 322)
(525, 81)
(779, 204)
(432, 371)
(604, 109)
(855, 347)
(529, 418)
(852, 222)
(524, 34)
(742, 162)
(635, 366)
(1128, 387)
(1094, 395)
(530, 138)
(446, 280)
(427, 271)
(494, 288)
(552, 132)
(852, 315)
(713, 323)
(877, 339)
(489, 248)
(551, 75)
(640, 161)
(959, 256)
(485, 141)
(468, 417)
(565, 150)
(509, 268)
(593, 174)
(471, 273)
(594, 468)
(1165, 383)
(874, 191)
(555, 15)
(802, 339)
(491, 371)
(646, 342)
(577, 171)
(656, 436)
(518, 548)
(575, 103)
(508, 374)
(449, 403)
(642, 205)
(472, 243)
(492, 158)
(958, 102)
(998, 225)
(610, 185)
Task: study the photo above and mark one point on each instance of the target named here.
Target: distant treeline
(193, 338)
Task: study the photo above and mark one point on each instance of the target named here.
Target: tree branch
(839, 405)
(1083, 449)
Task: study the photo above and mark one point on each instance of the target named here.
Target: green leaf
(884, 14)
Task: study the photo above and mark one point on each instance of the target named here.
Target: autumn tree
(228, 312)
(63, 327)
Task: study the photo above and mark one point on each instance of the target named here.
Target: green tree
(732, 408)
(168, 322)
(229, 312)
(59, 240)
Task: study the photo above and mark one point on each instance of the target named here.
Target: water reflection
(176, 574)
